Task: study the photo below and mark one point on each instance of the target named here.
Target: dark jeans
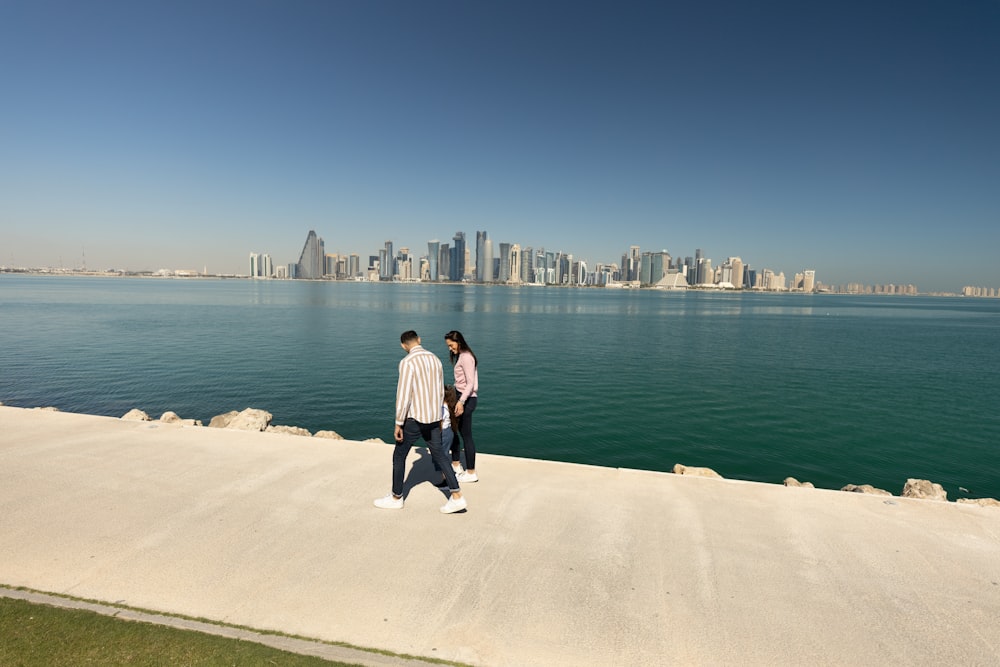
(465, 430)
(431, 433)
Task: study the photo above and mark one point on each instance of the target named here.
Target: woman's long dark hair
(457, 337)
(451, 400)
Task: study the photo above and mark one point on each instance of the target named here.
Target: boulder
(331, 435)
(982, 502)
(250, 419)
(695, 471)
(222, 421)
(135, 415)
(291, 430)
(924, 489)
(169, 417)
(791, 481)
(376, 441)
(865, 488)
(50, 408)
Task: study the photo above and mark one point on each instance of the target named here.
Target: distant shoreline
(185, 274)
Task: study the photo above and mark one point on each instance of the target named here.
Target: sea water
(831, 389)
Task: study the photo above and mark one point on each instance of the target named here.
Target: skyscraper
(809, 280)
(387, 267)
(433, 252)
(504, 274)
(444, 261)
(514, 272)
(311, 261)
(481, 238)
(527, 265)
(458, 257)
(489, 270)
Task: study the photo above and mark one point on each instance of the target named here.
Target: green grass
(37, 634)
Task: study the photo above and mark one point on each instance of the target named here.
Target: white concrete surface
(553, 564)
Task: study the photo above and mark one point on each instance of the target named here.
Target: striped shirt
(420, 391)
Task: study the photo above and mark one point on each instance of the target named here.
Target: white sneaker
(467, 477)
(453, 505)
(389, 502)
(458, 471)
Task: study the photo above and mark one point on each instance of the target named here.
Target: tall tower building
(634, 262)
(444, 262)
(737, 264)
(489, 272)
(254, 265)
(386, 262)
(504, 274)
(480, 270)
(458, 257)
(433, 252)
(312, 260)
(527, 265)
(809, 280)
(514, 265)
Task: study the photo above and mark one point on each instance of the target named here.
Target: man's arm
(404, 392)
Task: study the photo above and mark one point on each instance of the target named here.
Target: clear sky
(859, 139)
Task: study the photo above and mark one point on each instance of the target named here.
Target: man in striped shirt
(419, 401)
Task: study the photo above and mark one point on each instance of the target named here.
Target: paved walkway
(553, 564)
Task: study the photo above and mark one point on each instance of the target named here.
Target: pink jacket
(466, 376)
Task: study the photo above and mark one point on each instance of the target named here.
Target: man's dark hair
(408, 337)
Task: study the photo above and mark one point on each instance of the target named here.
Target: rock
(250, 419)
(135, 415)
(222, 421)
(791, 481)
(376, 441)
(169, 417)
(982, 502)
(921, 488)
(50, 408)
(291, 430)
(332, 435)
(865, 488)
(695, 471)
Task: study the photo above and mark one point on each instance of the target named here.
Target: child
(447, 419)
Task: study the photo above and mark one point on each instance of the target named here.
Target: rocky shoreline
(253, 419)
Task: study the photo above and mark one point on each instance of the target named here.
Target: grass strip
(38, 634)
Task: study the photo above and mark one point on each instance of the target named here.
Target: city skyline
(855, 140)
(514, 264)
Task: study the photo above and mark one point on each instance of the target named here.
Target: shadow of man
(423, 470)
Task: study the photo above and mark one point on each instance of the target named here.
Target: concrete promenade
(553, 564)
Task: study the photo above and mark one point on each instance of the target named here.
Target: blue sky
(859, 139)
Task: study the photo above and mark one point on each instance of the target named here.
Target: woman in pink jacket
(466, 368)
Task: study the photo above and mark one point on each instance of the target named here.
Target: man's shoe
(454, 505)
(390, 502)
(467, 477)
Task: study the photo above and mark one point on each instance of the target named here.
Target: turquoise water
(825, 388)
